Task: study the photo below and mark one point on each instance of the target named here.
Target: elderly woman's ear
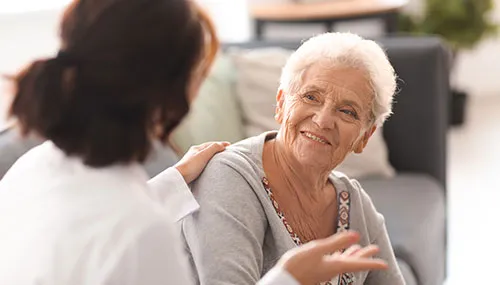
(361, 144)
(280, 100)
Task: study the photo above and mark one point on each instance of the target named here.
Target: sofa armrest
(12, 146)
(416, 133)
(414, 207)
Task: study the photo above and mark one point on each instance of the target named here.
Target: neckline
(342, 223)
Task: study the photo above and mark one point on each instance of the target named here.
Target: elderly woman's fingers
(321, 260)
(355, 264)
(368, 251)
(352, 250)
(333, 243)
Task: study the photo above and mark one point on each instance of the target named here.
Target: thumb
(334, 243)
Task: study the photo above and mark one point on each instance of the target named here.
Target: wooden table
(328, 13)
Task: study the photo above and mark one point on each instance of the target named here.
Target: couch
(414, 200)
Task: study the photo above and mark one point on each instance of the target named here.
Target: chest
(310, 216)
(312, 226)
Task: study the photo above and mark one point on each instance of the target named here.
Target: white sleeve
(170, 189)
(154, 258)
(278, 276)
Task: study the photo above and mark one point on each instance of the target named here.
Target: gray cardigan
(236, 236)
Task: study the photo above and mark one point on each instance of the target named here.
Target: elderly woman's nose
(324, 118)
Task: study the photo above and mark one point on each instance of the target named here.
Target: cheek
(294, 116)
(295, 113)
(350, 134)
(194, 89)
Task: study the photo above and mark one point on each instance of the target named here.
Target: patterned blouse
(342, 224)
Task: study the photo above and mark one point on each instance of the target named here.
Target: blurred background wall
(28, 29)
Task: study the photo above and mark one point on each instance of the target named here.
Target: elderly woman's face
(328, 116)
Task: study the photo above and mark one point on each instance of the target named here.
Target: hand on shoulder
(194, 161)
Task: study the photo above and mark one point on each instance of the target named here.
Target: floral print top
(342, 224)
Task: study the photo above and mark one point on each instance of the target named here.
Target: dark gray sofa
(414, 202)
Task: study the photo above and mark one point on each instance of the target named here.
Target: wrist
(291, 270)
(181, 170)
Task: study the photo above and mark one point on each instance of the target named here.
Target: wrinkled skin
(333, 104)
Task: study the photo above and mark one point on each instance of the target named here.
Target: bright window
(22, 6)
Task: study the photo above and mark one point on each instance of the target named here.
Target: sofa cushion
(215, 113)
(161, 158)
(258, 73)
(414, 209)
(372, 162)
(257, 80)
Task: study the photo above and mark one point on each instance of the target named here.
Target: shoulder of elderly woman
(231, 222)
(230, 166)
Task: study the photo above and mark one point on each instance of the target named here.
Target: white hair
(345, 50)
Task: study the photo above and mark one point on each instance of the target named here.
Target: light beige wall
(29, 35)
(477, 71)
(23, 37)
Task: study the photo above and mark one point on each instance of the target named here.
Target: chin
(314, 160)
(313, 156)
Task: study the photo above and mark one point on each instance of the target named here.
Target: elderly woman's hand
(194, 161)
(321, 260)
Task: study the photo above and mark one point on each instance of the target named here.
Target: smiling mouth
(316, 138)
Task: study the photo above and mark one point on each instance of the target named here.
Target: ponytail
(42, 91)
(126, 88)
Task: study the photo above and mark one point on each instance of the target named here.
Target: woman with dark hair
(78, 209)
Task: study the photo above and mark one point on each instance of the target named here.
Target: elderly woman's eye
(350, 113)
(310, 97)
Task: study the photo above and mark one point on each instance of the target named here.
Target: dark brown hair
(121, 79)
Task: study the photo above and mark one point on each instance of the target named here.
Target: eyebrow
(314, 88)
(321, 90)
(351, 103)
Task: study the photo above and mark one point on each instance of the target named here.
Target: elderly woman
(273, 192)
